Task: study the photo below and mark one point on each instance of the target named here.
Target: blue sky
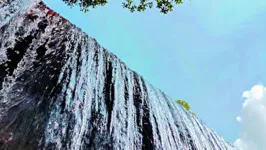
(206, 52)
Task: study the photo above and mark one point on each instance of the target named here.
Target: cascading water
(59, 89)
(10, 8)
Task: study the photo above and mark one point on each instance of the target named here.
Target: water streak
(59, 89)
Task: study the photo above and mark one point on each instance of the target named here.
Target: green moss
(185, 105)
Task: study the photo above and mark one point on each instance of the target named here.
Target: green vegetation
(185, 105)
(163, 5)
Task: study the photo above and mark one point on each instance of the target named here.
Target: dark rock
(59, 89)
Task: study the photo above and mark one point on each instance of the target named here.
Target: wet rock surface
(59, 89)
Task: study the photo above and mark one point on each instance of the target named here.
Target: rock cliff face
(59, 89)
(9, 8)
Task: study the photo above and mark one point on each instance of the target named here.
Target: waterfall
(59, 89)
(10, 8)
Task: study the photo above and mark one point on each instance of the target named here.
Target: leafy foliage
(163, 5)
(185, 105)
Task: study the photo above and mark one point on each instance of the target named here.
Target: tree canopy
(141, 5)
(185, 105)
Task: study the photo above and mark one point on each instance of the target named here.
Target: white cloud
(238, 119)
(239, 144)
(253, 120)
(245, 94)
